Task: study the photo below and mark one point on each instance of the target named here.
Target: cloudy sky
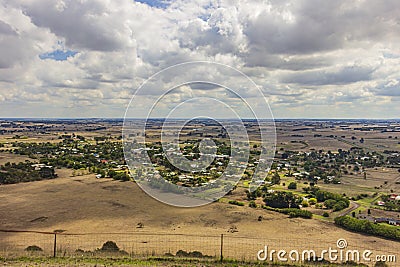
(311, 59)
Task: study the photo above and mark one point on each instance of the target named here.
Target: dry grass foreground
(102, 206)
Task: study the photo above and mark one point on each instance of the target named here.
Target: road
(354, 205)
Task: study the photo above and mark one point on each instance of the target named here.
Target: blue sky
(155, 3)
(58, 55)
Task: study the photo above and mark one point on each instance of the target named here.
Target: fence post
(222, 247)
(55, 245)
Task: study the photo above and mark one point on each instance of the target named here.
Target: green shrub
(252, 204)
(109, 246)
(191, 254)
(326, 214)
(329, 203)
(235, 202)
(292, 185)
(294, 213)
(33, 248)
(304, 203)
(340, 205)
(312, 201)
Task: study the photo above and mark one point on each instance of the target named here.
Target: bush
(252, 204)
(340, 205)
(294, 213)
(312, 201)
(329, 203)
(182, 253)
(292, 185)
(34, 248)
(304, 203)
(326, 215)
(192, 254)
(235, 202)
(109, 246)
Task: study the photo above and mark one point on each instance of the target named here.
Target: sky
(309, 58)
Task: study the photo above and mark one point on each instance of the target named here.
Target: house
(394, 222)
(380, 203)
(390, 221)
(381, 220)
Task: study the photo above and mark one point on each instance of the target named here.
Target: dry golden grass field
(111, 210)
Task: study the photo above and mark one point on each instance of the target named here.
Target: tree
(340, 205)
(276, 179)
(292, 185)
(312, 201)
(329, 203)
(282, 199)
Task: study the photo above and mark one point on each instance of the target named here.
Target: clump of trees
(282, 200)
(367, 227)
(12, 173)
(331, 200)
(121, 176)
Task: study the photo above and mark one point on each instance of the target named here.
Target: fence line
(14, 243)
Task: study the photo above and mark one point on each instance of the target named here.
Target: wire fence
(206, 247)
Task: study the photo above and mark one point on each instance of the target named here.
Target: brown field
(111, 210)
(355, 184)
(374, 140)
(12, 158)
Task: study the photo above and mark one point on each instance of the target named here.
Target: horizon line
(121, 118)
